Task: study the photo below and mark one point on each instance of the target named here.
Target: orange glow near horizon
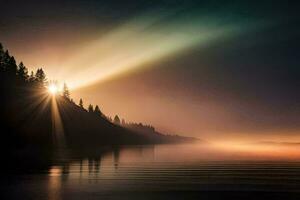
(267, 150)
(102, 67)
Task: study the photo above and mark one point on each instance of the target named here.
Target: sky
(214, 70)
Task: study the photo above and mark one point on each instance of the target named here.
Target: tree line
(15, 75)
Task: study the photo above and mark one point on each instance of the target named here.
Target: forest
(34, 120)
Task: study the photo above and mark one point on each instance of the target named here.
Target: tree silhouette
(1, 56)
(117, 120)
(66, 92)
(5, 61)
(22, 72)
(31, 77)
(23, 96)
(11, 66)
(90, 108)
(40, 77)
(81, 103)
(97, 111)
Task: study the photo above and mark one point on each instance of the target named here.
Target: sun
(53, 89)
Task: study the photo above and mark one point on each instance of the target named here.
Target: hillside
(83, 128)
(36, 124)
(33, 118)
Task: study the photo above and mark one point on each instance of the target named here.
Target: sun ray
(57, 125)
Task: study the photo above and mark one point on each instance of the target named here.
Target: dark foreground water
(194, 171)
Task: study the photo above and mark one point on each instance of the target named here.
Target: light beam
(142, 40)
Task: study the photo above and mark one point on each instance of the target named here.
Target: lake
(183, 171)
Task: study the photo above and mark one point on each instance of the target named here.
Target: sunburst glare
(53, 89)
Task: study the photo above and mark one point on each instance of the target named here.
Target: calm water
(189, 171)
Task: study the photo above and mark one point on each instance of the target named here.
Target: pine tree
(11, 66)
(66, 92)
(81, 103)
(22, 72)
(5, 61)
(40, 77)
(90, 108)
(97, 111)
(1, 56)
(117, 120)
(31, 77)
